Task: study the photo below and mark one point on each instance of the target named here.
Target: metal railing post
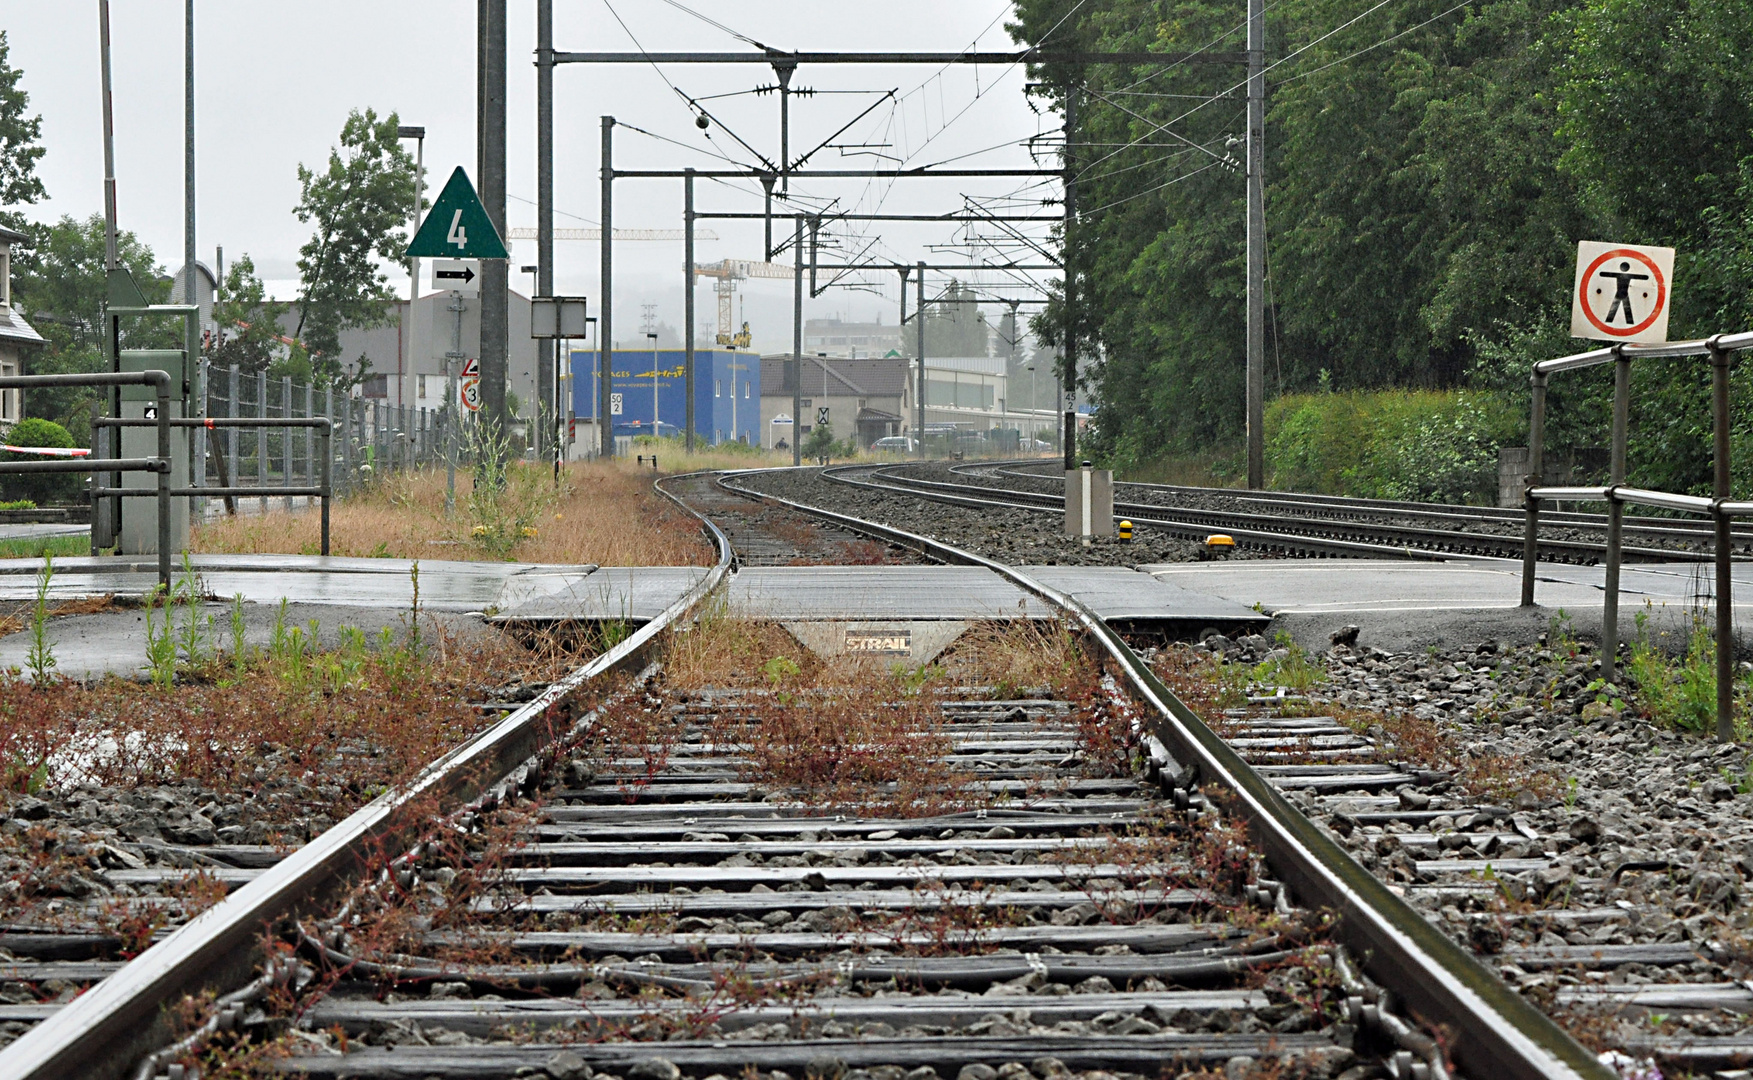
(262, 435)
(1615, 513)
(1725, 592)
(99, 439)
(327, 433)
(310, 438)
(286, 436)
(164, 486)
(1536, 466)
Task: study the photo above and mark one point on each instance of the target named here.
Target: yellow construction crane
(725, 274)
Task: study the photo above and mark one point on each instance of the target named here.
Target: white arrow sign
(457, 275)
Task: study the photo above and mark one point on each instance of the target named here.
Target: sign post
(1622, 292)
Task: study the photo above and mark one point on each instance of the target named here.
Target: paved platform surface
(1119, 593)
(33, 530)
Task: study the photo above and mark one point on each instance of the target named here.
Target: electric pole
(1256, 243)
(547, 349)
(490, 167)
(1069, 374)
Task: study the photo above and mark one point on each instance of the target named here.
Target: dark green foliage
(19, 152)
(359, 204)
(954, 325)
(249, 328)
(61, 290)
(1436, 445)
(40, 488)
(1430, 169)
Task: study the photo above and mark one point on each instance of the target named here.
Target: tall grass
(603, 512)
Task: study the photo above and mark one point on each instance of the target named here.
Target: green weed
(1294, 671)
(161, 645)
(240, 650)
(1680, 694)
(41, 658)
(196, 637)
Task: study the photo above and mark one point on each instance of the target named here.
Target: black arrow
(465, 275)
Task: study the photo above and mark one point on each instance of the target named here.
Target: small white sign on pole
(1622, 292)
(457, 275)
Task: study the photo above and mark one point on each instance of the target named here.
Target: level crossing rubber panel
(610, 594)
(1312, 586)
(445, 584)
(836, 593)
(1122, 594)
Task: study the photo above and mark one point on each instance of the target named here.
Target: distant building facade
(648, 393)
(864, 398)
(870, 399)
(851, 340)
(16, 335)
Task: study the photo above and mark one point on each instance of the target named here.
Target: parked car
(895, 444)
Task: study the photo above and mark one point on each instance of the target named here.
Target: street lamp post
(536, 426)
(418, 134)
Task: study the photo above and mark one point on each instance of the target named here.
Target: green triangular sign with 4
(457, 227)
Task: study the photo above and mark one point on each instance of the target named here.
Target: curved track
(1292, 524)
(1193, 776)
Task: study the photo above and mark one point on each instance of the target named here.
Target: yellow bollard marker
(1125, 531)
(1219, 544)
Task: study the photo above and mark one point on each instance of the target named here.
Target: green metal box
(171, 361)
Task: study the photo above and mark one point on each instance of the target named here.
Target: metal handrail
(1616, 493)
(323, 489)
(161, 464)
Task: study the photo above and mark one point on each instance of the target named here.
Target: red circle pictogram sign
(1613, 287)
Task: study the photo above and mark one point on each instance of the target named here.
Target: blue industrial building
(649, 390)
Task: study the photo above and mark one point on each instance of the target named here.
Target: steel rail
(1444, 543)
(1496, 1032)
(1275, 541)
(1379, 507)
(102, 1032)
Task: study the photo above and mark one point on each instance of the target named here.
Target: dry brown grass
(1023, 656)
(717, 650)
(604, 512)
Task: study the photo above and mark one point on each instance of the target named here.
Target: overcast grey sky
(274, 82)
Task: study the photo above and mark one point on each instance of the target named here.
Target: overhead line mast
(785, 65)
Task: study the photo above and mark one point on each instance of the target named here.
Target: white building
(16, 335)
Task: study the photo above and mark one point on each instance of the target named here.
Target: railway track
(719, 869)
(1299, 525)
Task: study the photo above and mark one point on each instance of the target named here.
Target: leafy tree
(19, 152)
(250, 327)
(61, 290)
(358, 205)
(954, 326)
